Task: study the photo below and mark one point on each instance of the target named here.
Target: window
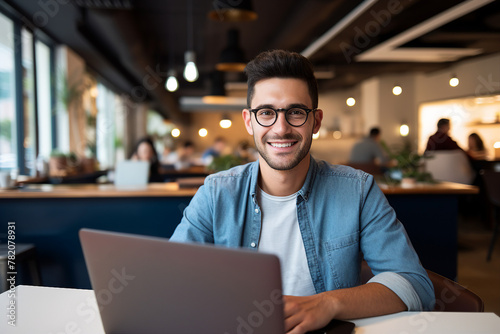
(28, 101)
(8, 148)
(44, 99)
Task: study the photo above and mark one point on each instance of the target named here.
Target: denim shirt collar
(304, 192)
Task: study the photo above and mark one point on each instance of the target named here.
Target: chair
(25, 254)
(450, 166)
(492, 186)
(450, 296)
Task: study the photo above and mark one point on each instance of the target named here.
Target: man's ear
(318, 117)
(246, 114)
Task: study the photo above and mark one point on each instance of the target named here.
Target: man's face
(281, 145)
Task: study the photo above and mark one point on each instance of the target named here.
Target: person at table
(476, 149)
(145, 151)
(319, 219)
(215, 151)
(441, 140)
(368, 150)
(182, 157)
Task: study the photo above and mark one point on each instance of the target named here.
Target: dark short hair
(443, 121)
(187, 144)
(281, 64)
(374, 132)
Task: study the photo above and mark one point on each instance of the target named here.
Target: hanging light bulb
(190, 71)
(171, 84)
(454, 81)
(404, 130)
(397, 90)
(350, 101)
(225, 122)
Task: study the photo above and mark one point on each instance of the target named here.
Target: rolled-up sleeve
(401, 287)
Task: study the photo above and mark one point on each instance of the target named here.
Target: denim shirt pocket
(343, 260)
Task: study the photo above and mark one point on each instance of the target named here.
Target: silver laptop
(150, 285)
(132, 174)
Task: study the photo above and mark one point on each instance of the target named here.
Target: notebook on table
(151, 285)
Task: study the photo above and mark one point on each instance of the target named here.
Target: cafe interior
(83, 82)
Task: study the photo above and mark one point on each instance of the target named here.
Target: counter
(50, 216)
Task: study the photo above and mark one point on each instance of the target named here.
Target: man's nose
(281, 125)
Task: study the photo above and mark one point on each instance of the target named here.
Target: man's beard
(290, 163)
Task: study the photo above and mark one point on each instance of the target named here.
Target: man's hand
(303, 314)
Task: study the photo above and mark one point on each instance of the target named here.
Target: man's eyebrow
(292, 105)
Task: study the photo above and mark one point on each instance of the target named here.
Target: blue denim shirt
(343, 217)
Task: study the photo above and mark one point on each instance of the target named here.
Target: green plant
(408, 162)
(57, 154)
(225, 162)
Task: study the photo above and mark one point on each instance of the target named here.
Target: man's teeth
(281, 145)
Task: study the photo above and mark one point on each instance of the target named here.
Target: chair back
(450, 166)
(492, 186)
(450, 296)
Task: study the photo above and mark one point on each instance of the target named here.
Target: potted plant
(409, 164)
(224, 162)
(58, 164)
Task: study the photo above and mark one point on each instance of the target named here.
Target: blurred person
(214, 151)
(476, 149)
(245, 152)
(182, 157)
(369, 150)
(441, 140)
(146, 151)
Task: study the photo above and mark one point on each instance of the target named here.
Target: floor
(474, 272)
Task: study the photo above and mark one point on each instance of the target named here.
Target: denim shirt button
(253, 244)
(256, 210)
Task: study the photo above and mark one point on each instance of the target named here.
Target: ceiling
(129, 43)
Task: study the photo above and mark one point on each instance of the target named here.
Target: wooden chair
(492, 186)
(450, 296)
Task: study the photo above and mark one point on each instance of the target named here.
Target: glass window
(29, 101)
(105, 132)
(8, 148)
(43, 84)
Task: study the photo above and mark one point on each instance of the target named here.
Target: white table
(71, 311)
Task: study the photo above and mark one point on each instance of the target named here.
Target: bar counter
(173, 189)
(50, 217)
(169, 189)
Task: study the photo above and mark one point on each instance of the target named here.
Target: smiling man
(321, 220)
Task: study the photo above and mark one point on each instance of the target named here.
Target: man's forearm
(368, 300)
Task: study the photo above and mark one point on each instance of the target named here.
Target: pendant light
(190, 71)
(171, 84)
(232, 58)
(233, 11)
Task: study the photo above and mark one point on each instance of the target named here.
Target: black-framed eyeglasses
(295, 116)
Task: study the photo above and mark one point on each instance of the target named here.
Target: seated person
(215, 151)
(441, 139)
(368, 151)
(476, 147)
(182, 157)
(319, 219)
(145, 151)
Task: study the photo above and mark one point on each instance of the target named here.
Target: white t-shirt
(280, 235)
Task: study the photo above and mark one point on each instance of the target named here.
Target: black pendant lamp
(232, 58)
(232, 11)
